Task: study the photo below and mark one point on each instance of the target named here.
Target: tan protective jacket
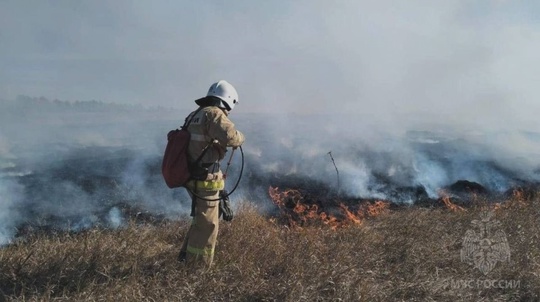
(208, 124)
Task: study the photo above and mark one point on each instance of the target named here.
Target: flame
(298, 213)
(378, 208)
(518, 194)
(330, 221)
(518, 199)
(449, 204)
(355, 218)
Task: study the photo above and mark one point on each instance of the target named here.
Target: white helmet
(226, 92)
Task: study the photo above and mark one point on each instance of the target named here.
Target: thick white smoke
(73, 176)
(73, 166)
(10, 211)
(375, 163)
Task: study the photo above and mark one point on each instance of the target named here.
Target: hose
(233, 189)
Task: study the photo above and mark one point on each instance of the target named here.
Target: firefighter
(210, 127)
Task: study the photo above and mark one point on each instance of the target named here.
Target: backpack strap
(190, 117)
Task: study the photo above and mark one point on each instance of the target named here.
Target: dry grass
(404, 255)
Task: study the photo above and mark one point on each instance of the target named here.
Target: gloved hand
(225, 208)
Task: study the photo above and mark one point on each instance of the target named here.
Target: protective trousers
(201, 239)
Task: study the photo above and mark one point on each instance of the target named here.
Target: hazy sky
(450, 60)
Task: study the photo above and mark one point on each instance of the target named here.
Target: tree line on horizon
(24, 103)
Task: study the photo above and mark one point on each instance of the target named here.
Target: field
(86, 216)
(405, 254)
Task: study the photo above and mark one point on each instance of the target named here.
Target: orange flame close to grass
(518, 200)
(448, 203)
(378, 208)
(293, 206)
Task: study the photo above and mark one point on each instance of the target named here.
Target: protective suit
(211, 123)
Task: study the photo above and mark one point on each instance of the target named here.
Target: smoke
(115, 218)
(99, 165)
(401, 166)
(462, 63)
(10, 196)
(410, 97)
(4, 148)
(10, 216)
(77, 165)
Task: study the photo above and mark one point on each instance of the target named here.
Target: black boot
(182, 257)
